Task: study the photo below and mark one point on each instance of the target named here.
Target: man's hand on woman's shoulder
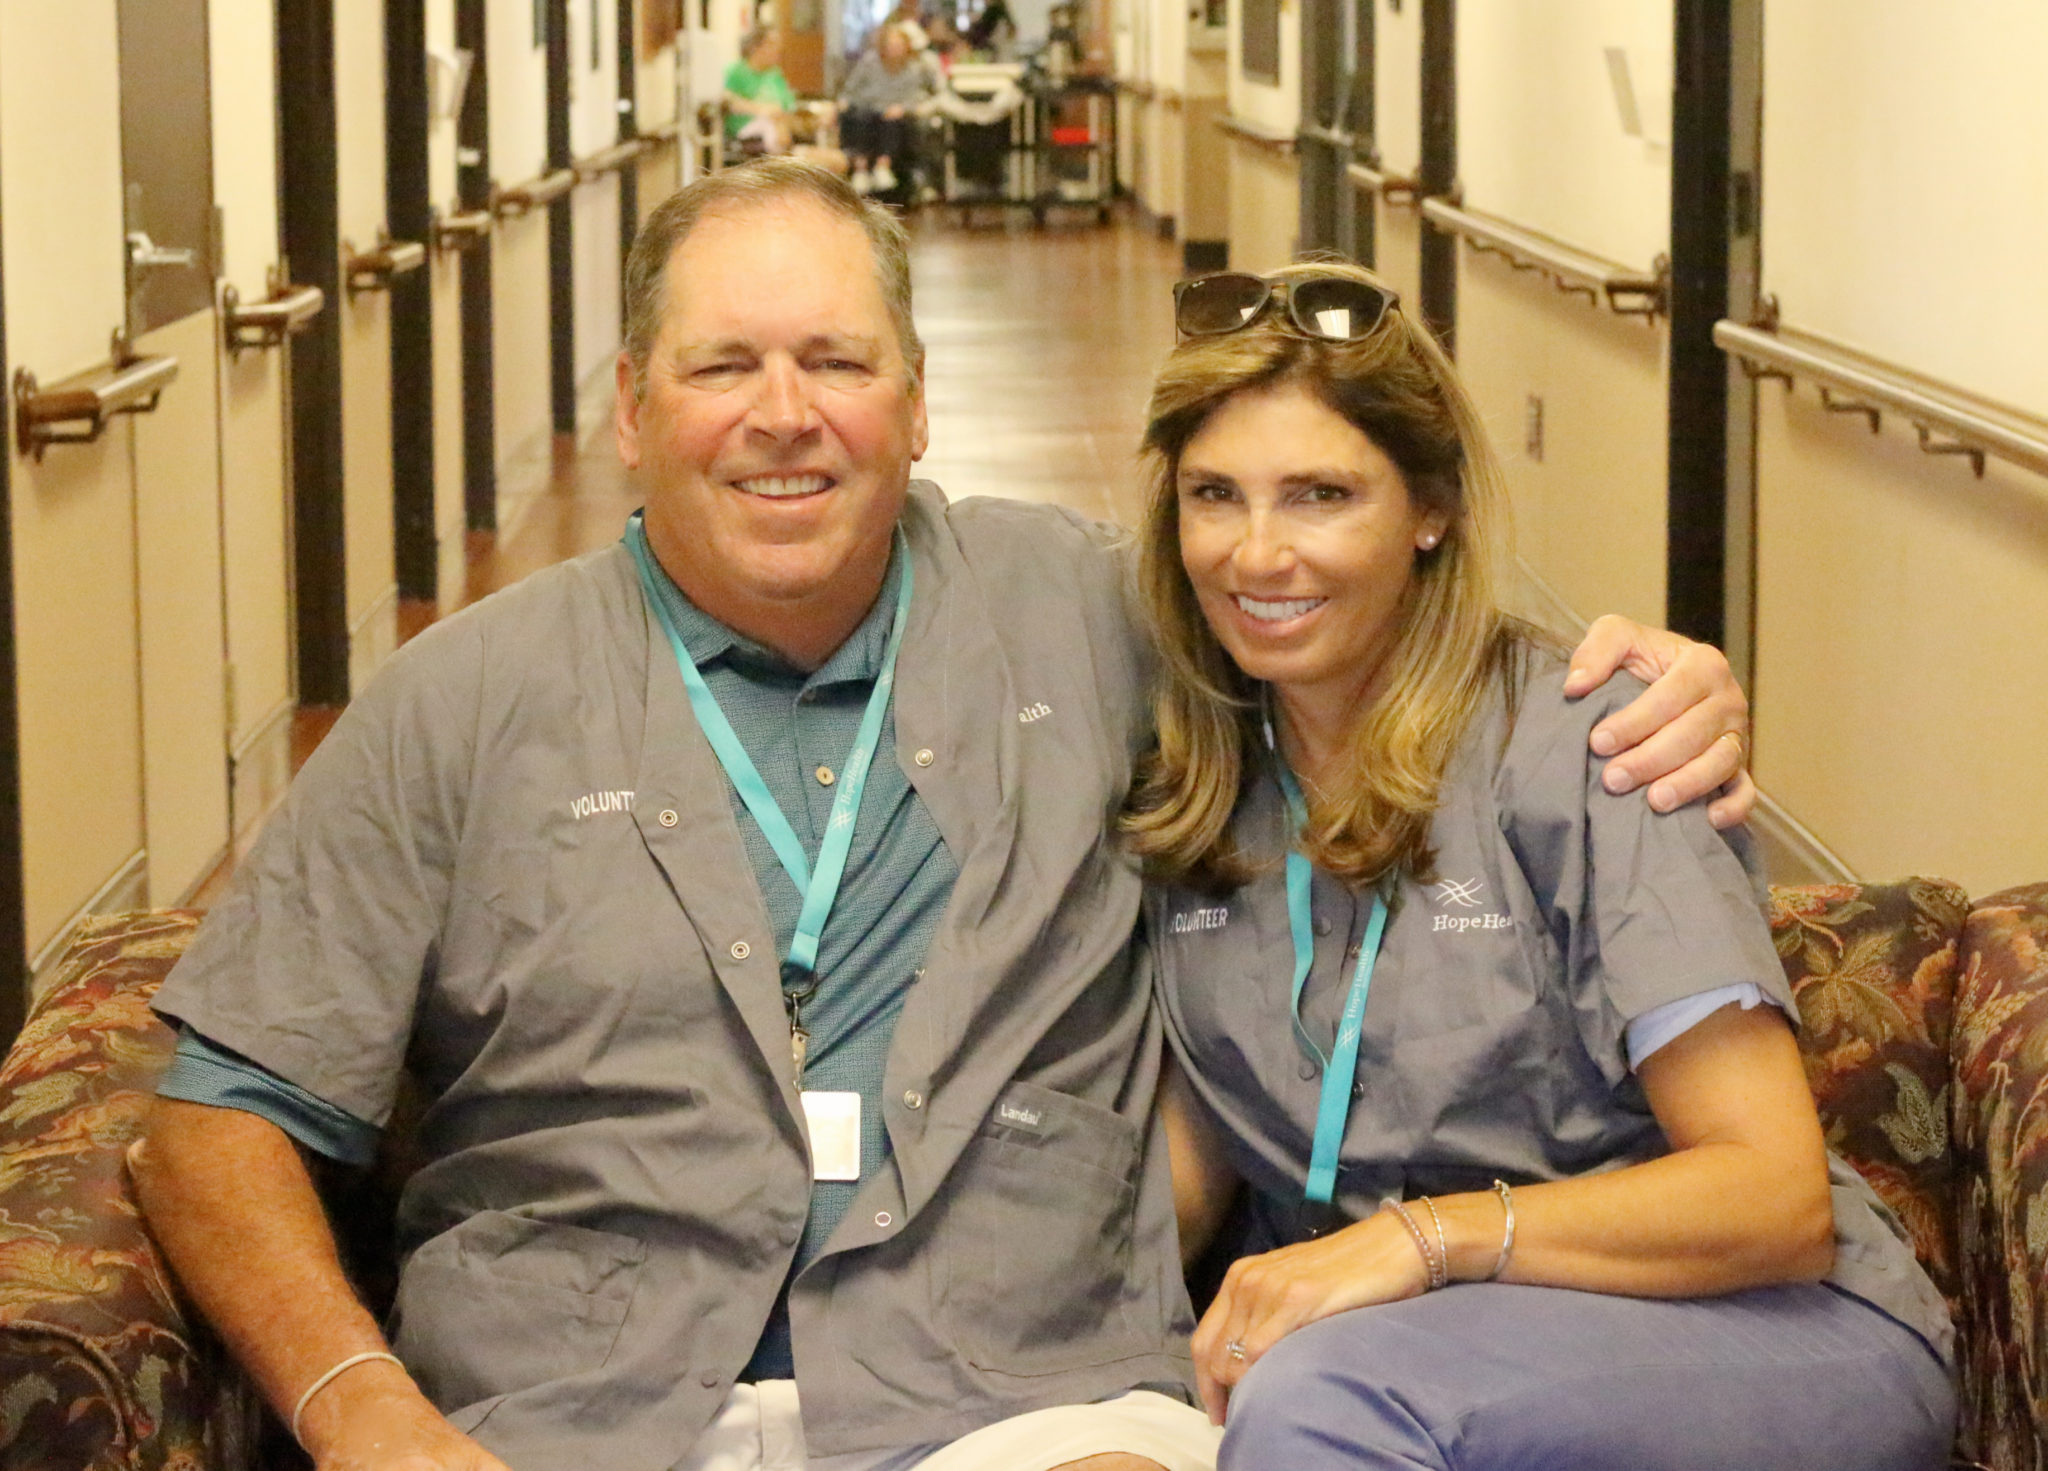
(1686, 736)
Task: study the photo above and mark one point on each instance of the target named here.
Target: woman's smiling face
(1299, 537)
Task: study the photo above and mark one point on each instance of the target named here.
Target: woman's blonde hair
(1398, 388)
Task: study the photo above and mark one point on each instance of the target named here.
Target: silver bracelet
(330, 1376)
(1433, 1265)
(1506, 1192)
(1443, 1247)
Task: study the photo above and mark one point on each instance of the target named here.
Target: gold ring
(1741, 747)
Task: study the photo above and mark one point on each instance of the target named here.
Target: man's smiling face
(778, 424)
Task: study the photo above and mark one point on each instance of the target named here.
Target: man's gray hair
(733, 191)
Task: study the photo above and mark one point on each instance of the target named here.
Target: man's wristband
(333, 1374)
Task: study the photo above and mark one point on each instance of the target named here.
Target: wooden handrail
(464, 230)
(611, 160)
(1271, 139)
(77, 410)
(520, 198)
(373, 269)
(1949, 420)
(267, 323)
(1402, 189)
(1626, 292)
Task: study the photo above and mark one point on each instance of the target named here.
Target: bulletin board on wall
(1904, 213)
(1564, 121)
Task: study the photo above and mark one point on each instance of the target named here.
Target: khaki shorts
(759, 1428)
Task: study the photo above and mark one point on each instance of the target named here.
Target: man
(735, 1085)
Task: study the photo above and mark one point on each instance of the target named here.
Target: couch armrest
(2000, 1127)
(99, 1362)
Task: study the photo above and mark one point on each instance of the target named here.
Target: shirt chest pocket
(1035, 1246)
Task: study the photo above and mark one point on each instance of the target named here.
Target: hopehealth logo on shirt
(1453, 894)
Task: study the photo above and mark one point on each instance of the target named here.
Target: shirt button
(884, 1219)
(1307, 1070)
(709, 1378)
(668, 817)
(1322, 926)
(1352, 952)
(825, 777)
(925, 757)
(741, 949)
(913, 1099)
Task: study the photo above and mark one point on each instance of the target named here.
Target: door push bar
(287, 309)
(373, 270)
(77, 410)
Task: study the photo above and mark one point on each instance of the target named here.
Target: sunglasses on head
(1329, 308)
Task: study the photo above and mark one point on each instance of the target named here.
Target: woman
(879, 105)
(1573, 1100)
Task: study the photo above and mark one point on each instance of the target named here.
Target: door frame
(310, 219)
(408, 207)
(13, 917)
(479, 352)
(561, 230)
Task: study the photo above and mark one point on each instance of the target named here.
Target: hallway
(1040, 352)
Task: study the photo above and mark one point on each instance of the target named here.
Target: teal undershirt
(899, 878)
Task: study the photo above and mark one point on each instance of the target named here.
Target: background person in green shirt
(760, 104)
(756, 91)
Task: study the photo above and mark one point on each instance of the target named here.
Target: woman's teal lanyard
(1340, 1068)
(819, 886)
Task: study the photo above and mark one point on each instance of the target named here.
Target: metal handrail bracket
(464, 230)
(77, 410)
(521, 198)
(1394, 188)
(1259, 133)
(1947, 420)
(267, 323)
(1332, 137)
(1627, 293)
(373, 270)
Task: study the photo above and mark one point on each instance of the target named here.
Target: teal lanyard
(1340, 1068)
(820, 885)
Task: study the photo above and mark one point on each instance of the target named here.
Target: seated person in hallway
(1459, 1017)
(746, 901)
(761, 109)
(877, 119)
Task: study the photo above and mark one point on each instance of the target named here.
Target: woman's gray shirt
(1493, 1040)
(871, 86)
(616, 1171)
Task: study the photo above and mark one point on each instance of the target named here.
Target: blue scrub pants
(1497, 1377)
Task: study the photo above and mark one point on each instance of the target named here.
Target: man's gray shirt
(587, 987)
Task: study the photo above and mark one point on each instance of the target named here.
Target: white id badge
(834, 1120)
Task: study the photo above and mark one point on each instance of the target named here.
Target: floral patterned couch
(1926, 1042)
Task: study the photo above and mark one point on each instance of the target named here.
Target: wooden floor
(1040, 349)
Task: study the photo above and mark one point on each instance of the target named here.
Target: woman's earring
(1428, 541)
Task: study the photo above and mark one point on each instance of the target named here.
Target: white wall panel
(243, 46)
(1540, 136)
(1906, 184)
(593, 76)
(519, 92)
(1397, 84)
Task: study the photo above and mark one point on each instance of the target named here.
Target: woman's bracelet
(330, 1376)
(1506, 1192)
(1433, 1264)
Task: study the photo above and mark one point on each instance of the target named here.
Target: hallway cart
(1076, 163)
(988, 136)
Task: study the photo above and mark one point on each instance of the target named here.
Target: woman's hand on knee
(1265, 1298)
